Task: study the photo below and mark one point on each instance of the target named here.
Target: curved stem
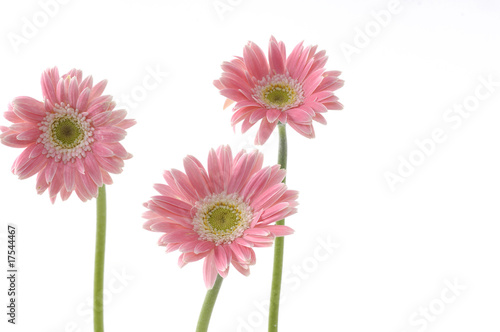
(279, 246)
(100, 244)
(208, 306)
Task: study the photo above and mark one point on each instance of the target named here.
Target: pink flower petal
(11, 116)
(334, 106)
(276, 58)
(102, 149)
(197, 176)
(165, 190)
(279, 230)
(203, 247)
(170, 247)
(265, 131)
(272, 115)
(28, 109)
(299, 116)
(99, 105)
(98, 89)
(127, 123)
(221, 261)
(116, 117)
(320, 118)
(232, 94)
(32, 167)
(51, 170)
(86, 83)
(101, 119)
(41, 184)
(305, 130)
(83, 100)
(246, 125)
(214, 171)
(239, 253)
(172, 205)
(242, 113)
(73, 92)
(92, 169)
(209, 271)
(37, 150)
(29, 135)
(56, 185)
(49, 80)
(89, 185)
(106, 178)
(109, 134)
(118, 150)
(293, 58)
(270, 196)
(184, 185)
(252, 61)
(24, 126)
(188, 247)
(69, 178)
(257, 231)
(243, 269)
(12, 141)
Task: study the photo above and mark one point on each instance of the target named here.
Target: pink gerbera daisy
(294, 89)
(71, 139)
(220, 215)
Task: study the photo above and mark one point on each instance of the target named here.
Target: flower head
(294, 89)
(222, 214)
(70, 139)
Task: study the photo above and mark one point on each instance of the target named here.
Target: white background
(397, 251)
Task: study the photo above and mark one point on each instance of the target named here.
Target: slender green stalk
(100, 245)
(282, 153)
(208, 306)
(279, 246)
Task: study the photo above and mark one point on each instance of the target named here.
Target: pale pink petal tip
(228, 103)
(87, 132)
(235, 193)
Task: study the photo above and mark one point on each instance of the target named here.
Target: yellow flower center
(66, 134)
(222, 218)
(279, 91)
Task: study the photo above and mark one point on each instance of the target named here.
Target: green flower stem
(100, 244)
(279, 246)
(208, 306)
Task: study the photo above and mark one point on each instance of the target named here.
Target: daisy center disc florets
(66, 134)
(279, 91)
(222, 218)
